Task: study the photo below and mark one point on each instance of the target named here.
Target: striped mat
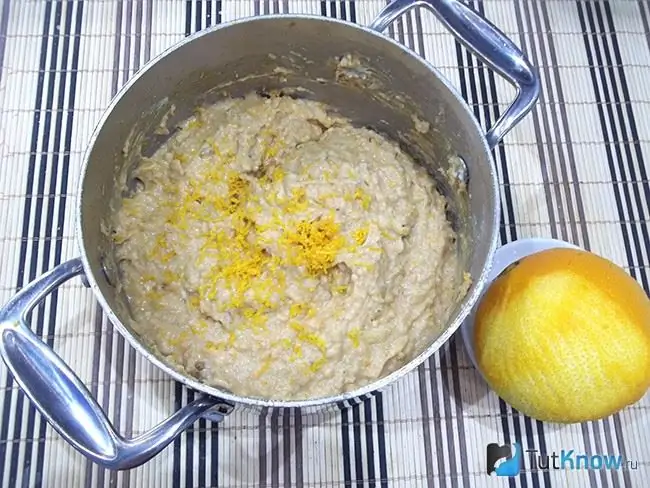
(576, 168)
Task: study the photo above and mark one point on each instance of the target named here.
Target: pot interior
(385, 88)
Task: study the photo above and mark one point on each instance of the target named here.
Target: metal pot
(392, 86)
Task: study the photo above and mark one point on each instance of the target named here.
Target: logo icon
(504, 460)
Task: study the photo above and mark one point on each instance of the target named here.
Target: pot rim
(456, 320)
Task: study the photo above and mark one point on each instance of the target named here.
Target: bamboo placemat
(576, 168)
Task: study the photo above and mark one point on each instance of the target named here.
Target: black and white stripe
(363, 441)
(619, 130)
(35, 185)
(557, 161)
(478, 88)
(444, 429)
(444, 446)
(567, 218)
(341, 9)
(43, 217)
(359, 436)
(626, 164)
(280, 450)
(644, 10)
(363, 435)
(266, 7)
(443, 424)
(131, 44)
(195, 453)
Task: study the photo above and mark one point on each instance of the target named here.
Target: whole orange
(563, 335)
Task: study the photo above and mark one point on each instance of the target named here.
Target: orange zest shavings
(314, 244)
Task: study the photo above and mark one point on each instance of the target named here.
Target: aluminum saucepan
(392, 88)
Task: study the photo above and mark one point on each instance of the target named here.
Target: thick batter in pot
(279, 252)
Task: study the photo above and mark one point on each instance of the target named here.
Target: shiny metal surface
(65, 402)
(301, 53)
(306, 49)
(486, 41)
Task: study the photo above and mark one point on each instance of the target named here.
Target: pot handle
(65, 402)
(488, 43)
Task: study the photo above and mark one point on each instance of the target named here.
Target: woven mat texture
(576, 169)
